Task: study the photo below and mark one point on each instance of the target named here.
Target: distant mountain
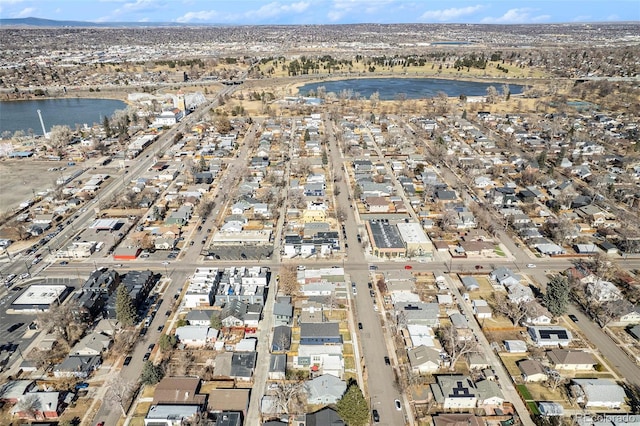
(50, 23)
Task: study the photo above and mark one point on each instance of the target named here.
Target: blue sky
(249, 12)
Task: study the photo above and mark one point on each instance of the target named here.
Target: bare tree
(119, 391)
(61, 319)
(30, 405)
(287, 393)
(456, 345)
(288, 281)
(59, 137)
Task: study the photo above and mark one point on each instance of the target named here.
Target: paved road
(504, 378)
(380, 377)
(607, 347)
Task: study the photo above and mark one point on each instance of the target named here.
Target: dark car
(370, 285)
(387, 361)
(360, 326)
(127, 360)
(573, 318)
(143, 331)
(168, 312)
(375, 415)
(160, 327)
(14, 327)
(64, 262)
(146, 356)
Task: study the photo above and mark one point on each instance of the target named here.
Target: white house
(598, 393)
(196, 335)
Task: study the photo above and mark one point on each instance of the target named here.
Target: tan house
(378, 205)
(565, 359)
(532, 370)
(179, 390)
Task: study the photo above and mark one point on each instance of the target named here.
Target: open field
(20, 179)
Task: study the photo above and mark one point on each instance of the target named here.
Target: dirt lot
(19, 179)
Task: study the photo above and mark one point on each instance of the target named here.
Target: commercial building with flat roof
(385, 238)
(415, 240)
(39, 297)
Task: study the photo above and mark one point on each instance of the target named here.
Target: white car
(531, 265)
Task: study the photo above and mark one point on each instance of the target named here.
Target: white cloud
(276, 8)
(5, 2)
(25, 13)
(341, 8)
(450, 14)
(202, 16)
(517, 16)
(613, 17)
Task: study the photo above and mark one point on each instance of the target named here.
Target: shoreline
(284, 83)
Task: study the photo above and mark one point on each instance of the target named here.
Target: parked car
(531, 265)
(146, 356)
(398, 405)
(375, 415)
(359, 326)
(387, 361)
(573, 318)
(14, 327)
(127, 360)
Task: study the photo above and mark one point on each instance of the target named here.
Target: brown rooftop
(179, 390)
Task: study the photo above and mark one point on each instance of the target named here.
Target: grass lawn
(542, 393)
(524, 392)
(509, 362)
(148, 391)
(347, 349)
(499, 252)
(349, 363)
(533, 407)
(346, 336)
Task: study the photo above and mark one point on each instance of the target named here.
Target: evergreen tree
(556, 298)
(167, 342)
(107, 126)
(151, 374)
(353, 407)
(125, 310)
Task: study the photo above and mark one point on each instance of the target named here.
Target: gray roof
(385, 235)
(283, 309)
(323, 329)
(243, 363)
(278, 363)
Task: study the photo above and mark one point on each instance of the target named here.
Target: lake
(23, 115)
(413, 88)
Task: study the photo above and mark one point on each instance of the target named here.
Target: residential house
(281, 341)
(515, 346)
(278, 367)
(481, 309)
(418, 313)
(603, 291)
(573, 360)
(454, 391)
(546, 335)
(324, 417)
(631, 317)
(179, 391)
(171, 415)
(424, 359)
(234, 400)
(326, 333)
(80, 367)
(504, 276)
(325, 389)
(200, 317)
(48, 406)
(243, 365)
(12, 390)
(283, 312)
(598, 393)
(442, 419)
(91, 344)
(532, 370)
(490, 396)
(196, 335)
